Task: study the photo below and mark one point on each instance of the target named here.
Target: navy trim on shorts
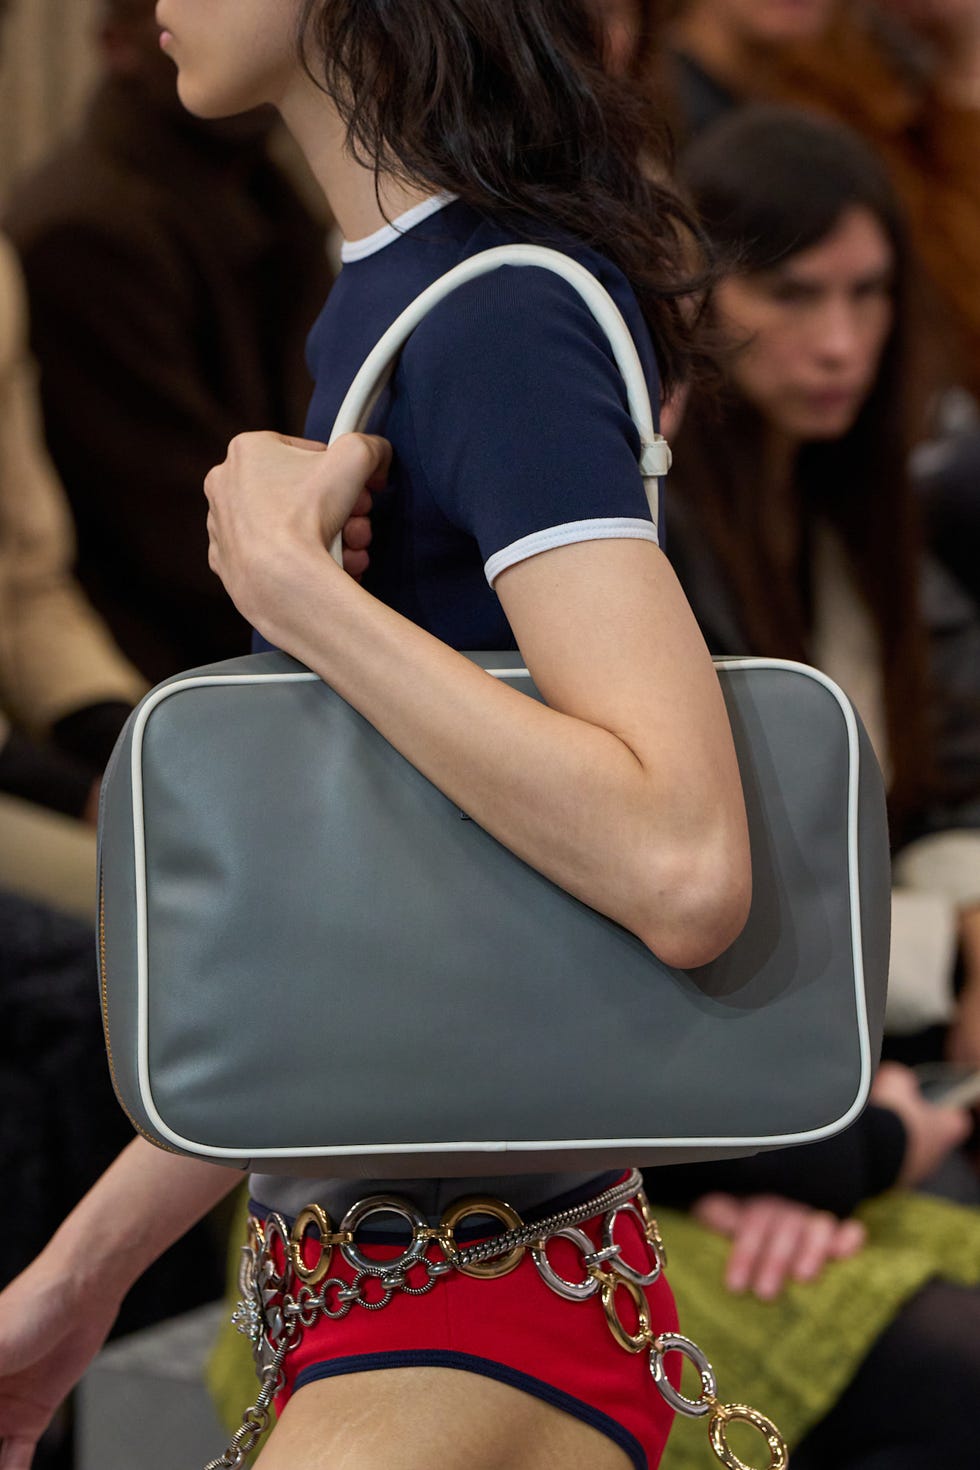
(488, 1368)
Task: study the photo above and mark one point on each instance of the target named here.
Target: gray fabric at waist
(431, 1196)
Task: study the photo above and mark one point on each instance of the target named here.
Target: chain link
(275, 1319)
(256, 1418)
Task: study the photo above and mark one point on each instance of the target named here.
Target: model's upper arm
(527, 442)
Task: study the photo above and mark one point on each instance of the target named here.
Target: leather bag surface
(312, 962)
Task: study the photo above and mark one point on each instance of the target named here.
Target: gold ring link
(633, 1342)
(497, 1209)
(317, 1216)
(652, 1228)
(724, 1414)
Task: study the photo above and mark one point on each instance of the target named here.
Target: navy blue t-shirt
(507, 415)
(511, 433)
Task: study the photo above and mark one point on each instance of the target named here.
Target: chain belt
(274, 1318)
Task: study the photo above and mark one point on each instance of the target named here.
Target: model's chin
(206, 102)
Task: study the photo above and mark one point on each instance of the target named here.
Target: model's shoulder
(521, 304)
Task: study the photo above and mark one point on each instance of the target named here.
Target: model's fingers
(363, 505)
(356, 563)
(357, 533)
(361, 460)
(816, 1245)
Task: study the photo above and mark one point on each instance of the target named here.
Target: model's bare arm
(624, 789)
(56, 1315)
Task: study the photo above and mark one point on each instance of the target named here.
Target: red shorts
(515, 1329)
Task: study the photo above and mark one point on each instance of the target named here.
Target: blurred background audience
(794, 525)
(905, 74)
(173, 271)
(65, 688)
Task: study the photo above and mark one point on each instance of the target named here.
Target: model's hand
(275, 507)
(932, 1132)
(51, 1327)
(356, 536)
(775, 1240)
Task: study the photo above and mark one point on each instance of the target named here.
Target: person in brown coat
(173, 272)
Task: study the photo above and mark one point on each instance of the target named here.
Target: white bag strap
(378, 367)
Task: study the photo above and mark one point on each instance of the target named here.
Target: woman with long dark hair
(514, 513)
(791, 522)
(793, 519)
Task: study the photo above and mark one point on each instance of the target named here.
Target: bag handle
(371, 380)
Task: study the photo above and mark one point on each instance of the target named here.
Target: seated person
(905, 75)
(173, 273)
(793, 525)
(65, 689)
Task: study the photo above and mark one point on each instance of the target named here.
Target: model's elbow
(701, 908)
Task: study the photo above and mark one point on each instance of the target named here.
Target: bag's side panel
(876, 890)
(118, 909)
(118, 969)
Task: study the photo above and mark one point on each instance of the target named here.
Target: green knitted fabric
(790, 1358)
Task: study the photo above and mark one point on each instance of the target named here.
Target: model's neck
(357, 205)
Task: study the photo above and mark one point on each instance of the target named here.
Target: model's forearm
(144, 1202)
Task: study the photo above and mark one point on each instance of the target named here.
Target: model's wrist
(294, 601)
(86, 1259)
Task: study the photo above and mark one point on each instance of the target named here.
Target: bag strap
(378, 367)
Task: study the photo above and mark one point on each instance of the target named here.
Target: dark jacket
(173, 273)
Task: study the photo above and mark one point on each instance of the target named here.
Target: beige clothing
(47, 857)
(935, 876)
(56, 656)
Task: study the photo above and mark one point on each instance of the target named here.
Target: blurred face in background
(765, 22)
(231, 55)
(814, 329)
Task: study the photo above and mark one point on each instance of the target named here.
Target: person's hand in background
(776, 1240)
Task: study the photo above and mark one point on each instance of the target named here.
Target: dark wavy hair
(770, 183)
(506, 104)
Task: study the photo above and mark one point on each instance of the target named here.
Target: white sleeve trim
(608, 528)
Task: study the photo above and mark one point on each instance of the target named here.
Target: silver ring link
(573, 1291)
(384, 1204)
(673, 1342)
(621, 1267)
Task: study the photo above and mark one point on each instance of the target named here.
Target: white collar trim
(352, 250)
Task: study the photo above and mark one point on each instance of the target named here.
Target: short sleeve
(521, 418)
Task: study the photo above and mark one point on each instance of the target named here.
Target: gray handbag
(473, 1018)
